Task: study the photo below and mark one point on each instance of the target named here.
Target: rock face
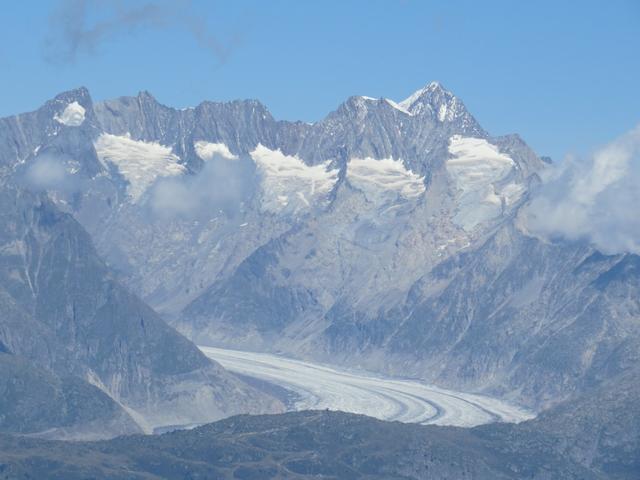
(74, 341)
(387, 235)
(39, 402)
(596, 437)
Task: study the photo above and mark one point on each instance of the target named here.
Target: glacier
(317, 387)
(140, 163)
(288, 184)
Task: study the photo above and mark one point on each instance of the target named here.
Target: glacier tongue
(320, 386)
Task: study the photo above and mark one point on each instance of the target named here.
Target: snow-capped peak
(436, 100)
(409, 102)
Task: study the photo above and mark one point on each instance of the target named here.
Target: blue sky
(563, 74)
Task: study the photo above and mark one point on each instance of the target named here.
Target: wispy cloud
(80, 27)
(222, 184)
(51, 172)
(595, 199)
(46, 172)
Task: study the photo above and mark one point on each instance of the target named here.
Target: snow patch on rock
(140, 163)
(385, 179)
(399, 107)
(72, 116)
(477, 168)
(288, 184)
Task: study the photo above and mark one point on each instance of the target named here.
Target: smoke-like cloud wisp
(49, 172)
(597, 199)
(79, 27)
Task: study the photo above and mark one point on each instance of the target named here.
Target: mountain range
(390, 236)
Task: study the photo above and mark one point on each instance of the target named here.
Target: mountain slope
(36, 401)
(69, 326)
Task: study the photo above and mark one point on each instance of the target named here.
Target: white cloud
(72, 116)
(597, 199)
(220, 185)
(50, 172)
(207, 151)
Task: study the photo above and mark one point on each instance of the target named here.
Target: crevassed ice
(476, 169)
(387, 398)
(206, 150)
(139, 162)
(72, 116)
(290, 185)
(384, 179)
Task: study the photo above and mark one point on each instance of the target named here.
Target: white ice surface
(384, 178)
(476, 167)
(140, 163)
(206, 150)
(288, 184)
(72, 116)
(409, 401)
